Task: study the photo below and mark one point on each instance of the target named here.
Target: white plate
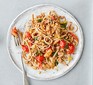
(19, 22)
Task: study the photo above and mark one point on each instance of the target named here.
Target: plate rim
(70, 14)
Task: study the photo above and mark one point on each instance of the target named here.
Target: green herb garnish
(36, 38)
(39, 20)
(56, 63)
(66, 46)
(56, 54)
(38, 53)
(45, 43)
(63, 25)
(53, 53)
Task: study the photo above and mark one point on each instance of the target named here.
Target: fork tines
(17, 40)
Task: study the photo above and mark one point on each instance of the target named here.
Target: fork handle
(25, 80)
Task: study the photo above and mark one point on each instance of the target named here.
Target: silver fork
(17, 41)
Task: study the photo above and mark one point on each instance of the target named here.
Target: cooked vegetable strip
(14, 32)
(48, 53)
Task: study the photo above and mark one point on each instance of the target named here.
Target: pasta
(49, 40)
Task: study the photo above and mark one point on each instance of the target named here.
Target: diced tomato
(28, 35)
(53, 18)
(40, 59)
(71, 48)
(62, 43)
(25, 48)
(14, 31)
(74, 36)
(29, 43)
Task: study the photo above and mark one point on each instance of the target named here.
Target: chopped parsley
(66, 46)
(39, 20)
(56, 63)
(54, 53)
(38, 53)
(63, 25)
(36, 38)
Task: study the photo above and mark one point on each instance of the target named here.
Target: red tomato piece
(74, 36)
(62, 43)
(28, 35)
(53, 18)
(40, 59)
(71, 48)
(29, 43)
(25, 48)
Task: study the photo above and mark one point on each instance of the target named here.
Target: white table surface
(80, 75)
